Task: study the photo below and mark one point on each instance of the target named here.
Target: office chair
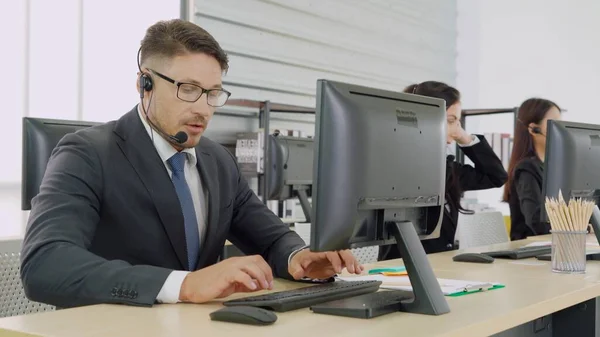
(481, 229)
(40, 137)
(13, 301)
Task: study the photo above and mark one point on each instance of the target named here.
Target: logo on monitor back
(407, 118)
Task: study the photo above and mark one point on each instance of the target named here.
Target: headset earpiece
(534, 129)
(145, 84)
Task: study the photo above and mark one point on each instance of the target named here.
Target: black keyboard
(305, 297)
(521, 253)
(367, 305)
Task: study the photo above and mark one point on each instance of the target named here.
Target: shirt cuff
(294, 253)
(169, 293)
(473, 142)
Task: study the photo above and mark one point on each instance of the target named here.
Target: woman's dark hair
(533, 110)
(437, 90)
(451, 96)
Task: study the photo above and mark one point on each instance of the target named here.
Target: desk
(532, 291)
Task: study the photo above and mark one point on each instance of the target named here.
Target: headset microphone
(181, 137)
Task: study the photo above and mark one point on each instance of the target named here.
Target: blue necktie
(192, 236)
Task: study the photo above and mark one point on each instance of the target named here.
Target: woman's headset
(534, 129)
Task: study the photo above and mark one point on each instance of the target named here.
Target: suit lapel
(207, 166)
(142, 155)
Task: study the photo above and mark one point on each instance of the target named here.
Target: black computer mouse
(244, 315)
(473, 257)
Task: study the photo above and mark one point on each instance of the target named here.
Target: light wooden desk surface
(532, 291)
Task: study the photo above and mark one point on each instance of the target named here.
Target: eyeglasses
(190, 92)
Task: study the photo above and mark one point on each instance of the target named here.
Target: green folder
(387, 270)
(467, 292)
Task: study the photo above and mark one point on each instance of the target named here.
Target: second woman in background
(487, 173)
(523, 191)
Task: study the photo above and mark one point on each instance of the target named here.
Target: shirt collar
(163, 147)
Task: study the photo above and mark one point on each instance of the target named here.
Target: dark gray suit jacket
(107, 226)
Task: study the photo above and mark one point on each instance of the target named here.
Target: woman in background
(523, 191)
(487, 173)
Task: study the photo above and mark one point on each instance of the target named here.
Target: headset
(534, 129)
(146, 85)
(537, 130)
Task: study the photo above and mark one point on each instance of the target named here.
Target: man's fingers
(266, 269)
(241, 288)
(255, 272)
(336, 262)
(349, 261)
(245, 279)
(311, 257)
(298, 272)
(359, 267)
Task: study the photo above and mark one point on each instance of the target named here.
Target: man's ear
(137, 83)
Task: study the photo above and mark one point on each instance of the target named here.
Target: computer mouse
(244, 315)
(473, 257)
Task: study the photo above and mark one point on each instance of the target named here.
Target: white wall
(279, 48)
(519, 49)
(510, 50)
(78, 63)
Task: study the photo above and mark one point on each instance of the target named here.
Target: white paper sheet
(403, 283)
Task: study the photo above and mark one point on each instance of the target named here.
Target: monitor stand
(595, 221)
(303, 198)
(428, 297)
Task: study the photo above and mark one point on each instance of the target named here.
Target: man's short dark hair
(168, 39)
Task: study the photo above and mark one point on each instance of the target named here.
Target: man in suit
(137, 211)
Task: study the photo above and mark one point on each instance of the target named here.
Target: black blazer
(107, 226)
(488, 172)
(525, 200)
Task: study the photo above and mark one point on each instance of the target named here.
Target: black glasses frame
(203, 91)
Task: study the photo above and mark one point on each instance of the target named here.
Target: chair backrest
(481, 229)
(366, 254)
(40, 137)
(13, 301)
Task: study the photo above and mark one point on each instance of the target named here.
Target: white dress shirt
(475, 140)
(169, 293)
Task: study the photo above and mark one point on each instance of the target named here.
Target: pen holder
(568, 251)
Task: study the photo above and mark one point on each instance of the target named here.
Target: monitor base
(365, 306)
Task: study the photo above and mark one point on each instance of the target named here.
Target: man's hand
(233, 275)
(456, 132)
(322, 265)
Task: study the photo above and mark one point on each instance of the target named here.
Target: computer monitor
(379, 177)
(572, 165)
(40, 137)
(290, 173)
